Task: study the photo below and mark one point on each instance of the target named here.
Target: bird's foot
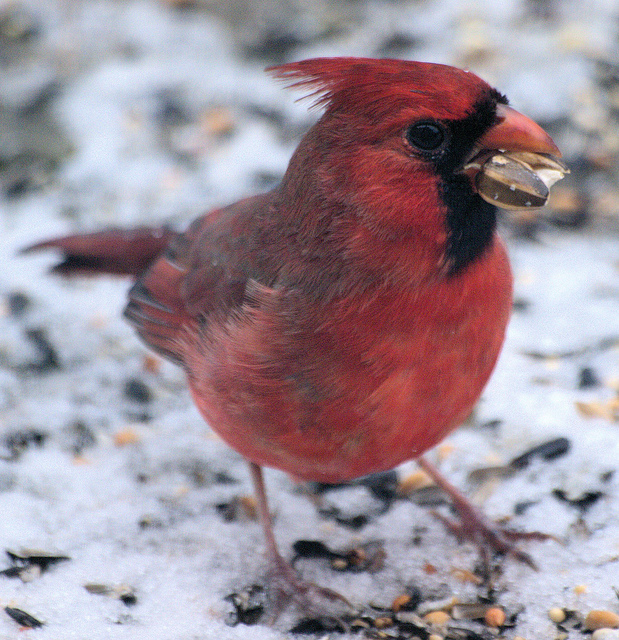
(476, 527)
(489, 536)
(285, 588)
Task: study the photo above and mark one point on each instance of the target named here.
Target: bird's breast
(359, 385)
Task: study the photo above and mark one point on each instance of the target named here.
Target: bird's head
(411, 149)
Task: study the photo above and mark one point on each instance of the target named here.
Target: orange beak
(515, 132)
(514, 164)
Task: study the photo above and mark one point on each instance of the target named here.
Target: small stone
(495, 617)
(557, 615)
(437, 617)
(601, 619)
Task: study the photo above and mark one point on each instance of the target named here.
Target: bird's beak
(515, 163)
(515, 132)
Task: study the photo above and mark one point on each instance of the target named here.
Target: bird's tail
(115, 251)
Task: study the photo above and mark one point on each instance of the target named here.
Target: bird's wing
(202, 272)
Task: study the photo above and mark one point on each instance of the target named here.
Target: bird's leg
(474, 525)
(284, 586)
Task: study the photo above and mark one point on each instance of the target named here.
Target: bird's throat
(471, 223)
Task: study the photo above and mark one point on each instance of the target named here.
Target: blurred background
(122, 110)
(129, 112)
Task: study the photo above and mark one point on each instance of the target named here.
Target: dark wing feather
(202, 272)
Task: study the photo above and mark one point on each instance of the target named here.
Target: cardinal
(347, 320)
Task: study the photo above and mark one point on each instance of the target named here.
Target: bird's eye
(426, 136)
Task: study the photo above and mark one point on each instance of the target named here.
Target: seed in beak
(519, 179)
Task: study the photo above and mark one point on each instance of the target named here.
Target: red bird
(347, 320)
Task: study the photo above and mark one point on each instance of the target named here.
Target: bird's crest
(379, 84)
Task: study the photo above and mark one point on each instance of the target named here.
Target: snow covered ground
(130, 112)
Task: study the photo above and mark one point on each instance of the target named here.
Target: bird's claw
(489, 536)
(285, 588)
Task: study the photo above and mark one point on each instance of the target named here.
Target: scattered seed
(16, 442)
(400, 602)
(601, 619)
(587, 378)
(248, 606)
(608, 410)
(368, 557)
(445, 450)
(126, 437)
(28, 558)
(495, 617)
(80, 437)
(605, 634)
(126, 594)
(430, 496)
(97, 589)
(239, 509)
(138, 391)
(317, 626)
(547, 451)
(150, 521)
(557, 615)
(581, 589)
(582, 502)
(217, 121)
(466, 576)
(414, 481)
(18, 303)
(28, 574)
(470, 611)
(437, 617)
(311, 549)
(123, 592)
(521, 304)
(151, 363)
(358, 623)
(382, 622)
(23, 618)
(48, 357)
(383, 484)
(444, 604)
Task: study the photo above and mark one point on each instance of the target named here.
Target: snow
(113, 62)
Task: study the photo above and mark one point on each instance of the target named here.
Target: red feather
(349, 319)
